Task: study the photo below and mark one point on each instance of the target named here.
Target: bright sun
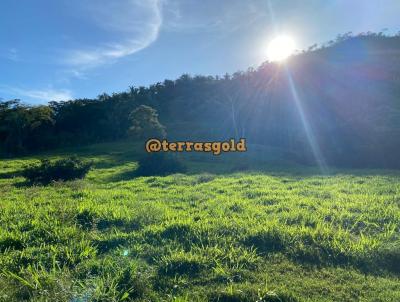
(280, 48)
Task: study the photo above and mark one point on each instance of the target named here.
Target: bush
(63, 169)
(159, 164)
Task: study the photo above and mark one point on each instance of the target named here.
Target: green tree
(23, 127)
(145, 123)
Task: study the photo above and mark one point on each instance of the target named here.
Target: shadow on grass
(23, 183)
(11, 174)
(276, 169)
(384, 260)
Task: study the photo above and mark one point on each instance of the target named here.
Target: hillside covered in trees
(338, 104)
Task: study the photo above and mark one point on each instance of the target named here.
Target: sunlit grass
(235, 236)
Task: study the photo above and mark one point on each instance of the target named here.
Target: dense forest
(338, 104)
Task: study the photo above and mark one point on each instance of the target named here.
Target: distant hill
(338, 104)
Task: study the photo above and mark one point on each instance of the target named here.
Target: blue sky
(64, 49)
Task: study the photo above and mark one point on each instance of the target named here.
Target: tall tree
(145, 123)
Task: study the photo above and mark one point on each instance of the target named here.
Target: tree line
(339, 103)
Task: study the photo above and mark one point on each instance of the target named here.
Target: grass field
(212, 235)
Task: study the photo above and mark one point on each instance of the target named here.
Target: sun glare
(280, 48)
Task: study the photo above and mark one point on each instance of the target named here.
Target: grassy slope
(282, 235)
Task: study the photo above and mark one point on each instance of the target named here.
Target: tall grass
(273, 235)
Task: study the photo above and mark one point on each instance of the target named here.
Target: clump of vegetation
(63, 169)
(145, 123)
(159, 164)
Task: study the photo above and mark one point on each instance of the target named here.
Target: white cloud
(45, 95)
(211, 15)
(13, 54)
(10, 54)
(135, 24)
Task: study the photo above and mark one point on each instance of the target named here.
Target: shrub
(63, 169)
(159, 164)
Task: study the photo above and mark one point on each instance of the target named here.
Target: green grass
(283, 234)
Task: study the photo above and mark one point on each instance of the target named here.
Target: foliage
(145, 124)
(159, 164)
(23, 127)
(346, 109)
(272, 235)
(63, 169)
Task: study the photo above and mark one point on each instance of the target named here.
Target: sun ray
(315, 148)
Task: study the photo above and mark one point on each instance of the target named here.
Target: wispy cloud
(43, 95)
(10, 54)
(134, 23)
(189, 16)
